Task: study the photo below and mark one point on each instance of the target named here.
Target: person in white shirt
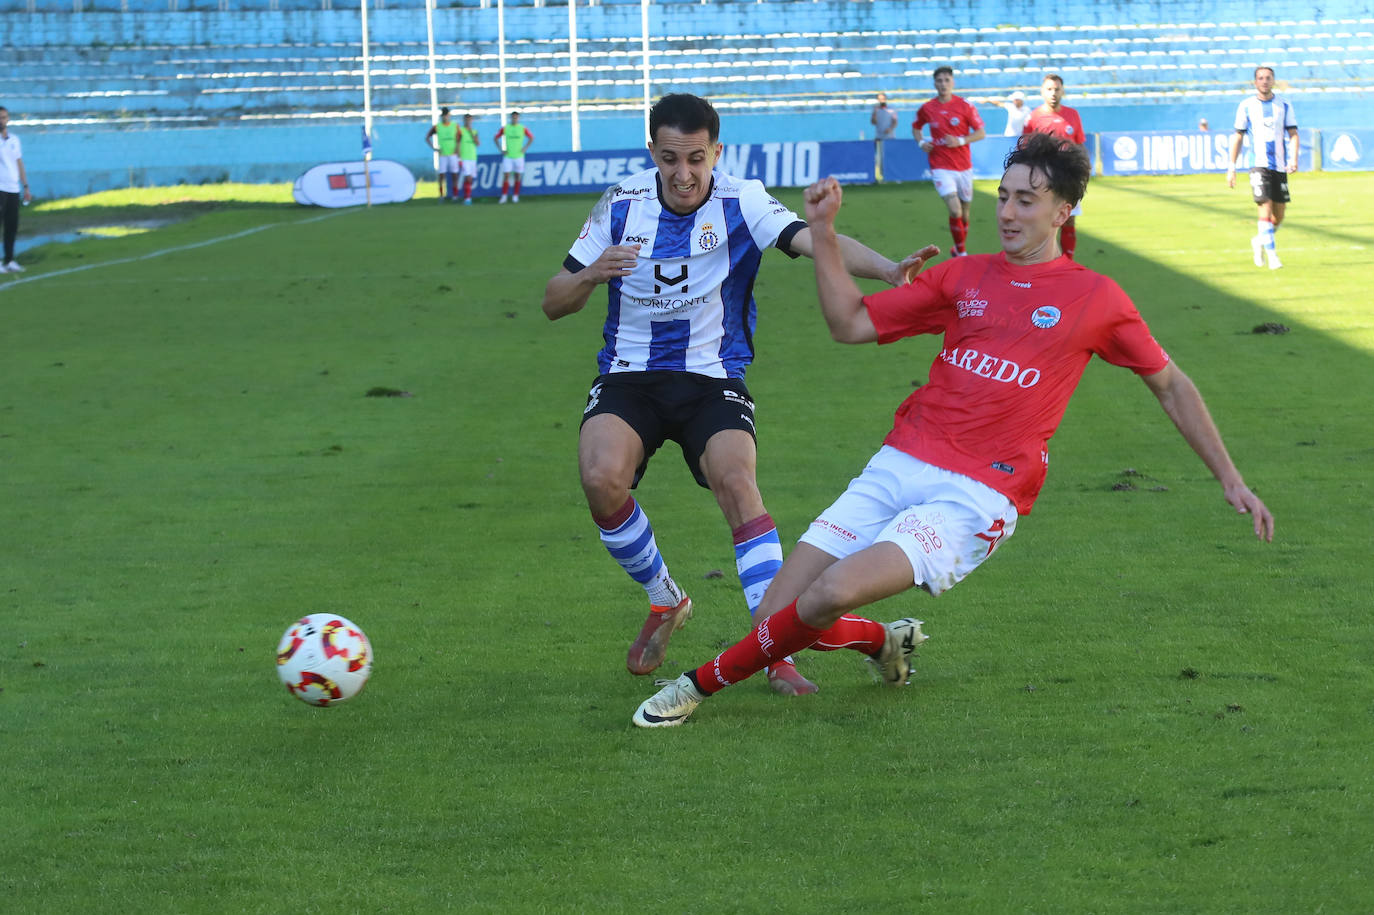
(1017, 113)
(14, 183)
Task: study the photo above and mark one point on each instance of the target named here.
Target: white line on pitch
(152, 254)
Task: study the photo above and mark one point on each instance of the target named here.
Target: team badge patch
(1045, 316)
(708, 238)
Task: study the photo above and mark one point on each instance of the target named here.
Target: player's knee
(604, 483)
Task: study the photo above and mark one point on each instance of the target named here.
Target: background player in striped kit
(678, 247)
(1272, 126)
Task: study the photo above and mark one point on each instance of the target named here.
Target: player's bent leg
(728, 462)
(869, 575)
(608, 451)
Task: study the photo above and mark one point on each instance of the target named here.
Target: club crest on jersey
(1045, 316)
(708, 238)
(954, 121)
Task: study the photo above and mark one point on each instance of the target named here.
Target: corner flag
(367, 144)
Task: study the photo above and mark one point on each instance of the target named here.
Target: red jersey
(955, 118)
(1063, 123)
(1017, 340)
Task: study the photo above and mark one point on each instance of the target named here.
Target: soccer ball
(323, 659)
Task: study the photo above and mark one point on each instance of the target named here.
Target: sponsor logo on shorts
(832, 528)
(593, 399)
(1002, 466)
(737, 397)
(922, 530)
(1045, 316)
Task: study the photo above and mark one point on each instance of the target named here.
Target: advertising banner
(1347, 150)
(344, 184)
(775, 164)
(1189, 152)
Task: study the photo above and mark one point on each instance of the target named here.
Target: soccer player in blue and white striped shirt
(1272, 126)
(678, 247)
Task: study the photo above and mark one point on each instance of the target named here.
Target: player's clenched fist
(823, 200)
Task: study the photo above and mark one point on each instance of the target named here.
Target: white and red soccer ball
(324, 659)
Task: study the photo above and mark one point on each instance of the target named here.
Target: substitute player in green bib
(514, 140)
(467, 157)
(446, 133)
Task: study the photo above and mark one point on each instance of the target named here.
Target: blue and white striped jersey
(1267, 124)
(688, 305)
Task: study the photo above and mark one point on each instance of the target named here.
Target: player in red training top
(1058, 120)
(967, 453)
(954, 124)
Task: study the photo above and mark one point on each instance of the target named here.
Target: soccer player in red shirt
(967, 453)
(954, 124)
(1058, 120)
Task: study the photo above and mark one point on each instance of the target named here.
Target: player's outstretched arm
(1183, 403)
(841, 300)
(567, 292)
(859, 259)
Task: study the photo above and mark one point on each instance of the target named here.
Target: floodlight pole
(572, 74)
(644, 28)
(433, 88)
(367, 109)
(501, 56)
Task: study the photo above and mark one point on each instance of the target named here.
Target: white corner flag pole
(367, 110)
(433, 86)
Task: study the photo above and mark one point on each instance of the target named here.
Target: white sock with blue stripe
(1266, 234)
(758, 557)
(629, 538)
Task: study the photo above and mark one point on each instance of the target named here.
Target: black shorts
(673, 406)
(1268, 184)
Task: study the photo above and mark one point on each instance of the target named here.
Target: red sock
(467, 188)
(517, 185)
(772, 640)
(1068, 240)
(852, 632)
(505, 186)
(958, 230)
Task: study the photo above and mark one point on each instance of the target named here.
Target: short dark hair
(443, 110)
(1054, 76)
(1064, 165)
(1262, 67)
(939, 70)
(684, 113)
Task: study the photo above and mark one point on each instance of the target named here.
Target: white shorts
(509, 165)
(448, 165)
(949, 182)
(945, 523)
(467, 168)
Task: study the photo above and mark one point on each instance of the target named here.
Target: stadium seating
(211, 60)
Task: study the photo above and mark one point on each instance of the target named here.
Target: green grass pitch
(1135, 707)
